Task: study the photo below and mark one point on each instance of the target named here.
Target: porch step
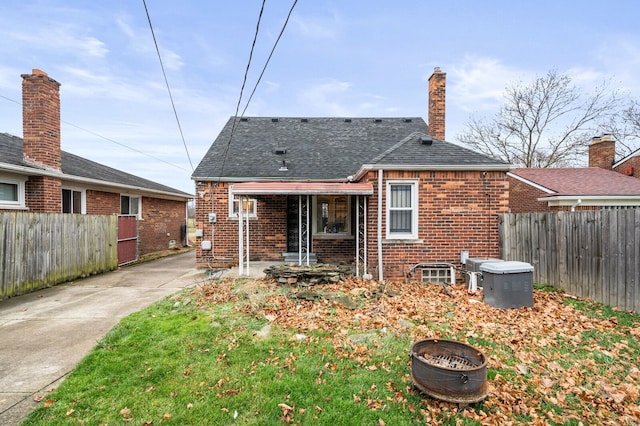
(293, 257)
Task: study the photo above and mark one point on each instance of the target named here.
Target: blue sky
(360, 58)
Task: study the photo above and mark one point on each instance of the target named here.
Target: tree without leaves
(625, 128)
(547, 123)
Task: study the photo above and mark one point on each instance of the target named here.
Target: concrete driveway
(43, 335)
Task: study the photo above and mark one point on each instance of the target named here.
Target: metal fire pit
(448, 370)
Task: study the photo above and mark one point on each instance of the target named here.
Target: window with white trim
(249, 204)
(11, 193)
(73, 201)
(402, 210)
(130, 204)
(331, 215)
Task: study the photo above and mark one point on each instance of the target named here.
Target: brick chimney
(41, 120)
(41, 140)
(437, 85)
(602, 152)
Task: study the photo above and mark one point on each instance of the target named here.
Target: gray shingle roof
(327, 148)
(73, 165)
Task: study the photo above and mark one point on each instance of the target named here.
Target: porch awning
(302, 188)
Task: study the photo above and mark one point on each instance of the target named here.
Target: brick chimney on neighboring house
(602, 152)
(41, 140)
(437, 85)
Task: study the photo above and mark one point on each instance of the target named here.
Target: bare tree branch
(546, 123)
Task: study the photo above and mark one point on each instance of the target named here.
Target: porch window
(11, 193)
(72, 201)
(130, 205)
(402, 210)
(332, 215)
(247, 204)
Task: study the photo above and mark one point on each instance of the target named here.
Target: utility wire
(236, 117)
(175, 113)
(108, 139)
(244, 82)
(269, 58)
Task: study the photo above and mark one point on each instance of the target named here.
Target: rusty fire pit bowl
(448, 370)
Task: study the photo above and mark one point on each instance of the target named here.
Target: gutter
(435, 167)
(30, 171)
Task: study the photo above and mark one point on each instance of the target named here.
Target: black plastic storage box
(507, 284)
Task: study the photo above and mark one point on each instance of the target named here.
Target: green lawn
(248, 353)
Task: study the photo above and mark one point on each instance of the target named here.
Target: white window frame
(314, 217)
(139, 215)
(413, 235)
(233, 199)
(20, 202)
(83, 199)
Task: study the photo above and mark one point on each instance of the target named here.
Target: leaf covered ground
(564, 361)
(252, 352)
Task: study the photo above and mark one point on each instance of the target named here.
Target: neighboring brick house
(381, 193)
(605, 184)
(37, 176)
(570, 189)
(602, 152)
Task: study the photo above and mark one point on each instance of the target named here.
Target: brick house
(380, 193)
(605, 184)
(602, 152)
(37, 176)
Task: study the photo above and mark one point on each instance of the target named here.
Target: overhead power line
(108, 139)
(175, 112)
(236, 117)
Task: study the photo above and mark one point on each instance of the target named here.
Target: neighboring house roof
(635, 153)
(579, 181)
(590, 186)
(79, 169)
(329, 149)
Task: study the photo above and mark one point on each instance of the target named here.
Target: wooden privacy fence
(591, 254)
(39, 250)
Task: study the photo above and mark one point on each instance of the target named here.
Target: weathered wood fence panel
(591, 254)
(39, 250)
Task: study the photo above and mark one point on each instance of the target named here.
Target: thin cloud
(318, 27)
(478, 83)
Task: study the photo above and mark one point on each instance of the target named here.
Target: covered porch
(322, 215)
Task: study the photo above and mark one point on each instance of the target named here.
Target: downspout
(380, 274)
(246, 199)
(577, 203)
(240, 239)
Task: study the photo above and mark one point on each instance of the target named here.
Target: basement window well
(436, 275)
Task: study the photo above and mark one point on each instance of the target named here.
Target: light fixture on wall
(284, 167)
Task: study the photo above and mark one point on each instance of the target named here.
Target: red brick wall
(99, 202)
(160, 223)
(41, 119)
(631, 167)
(43, 194)
(459, 211)
(437, 103)
(523, 198)
(267, 234)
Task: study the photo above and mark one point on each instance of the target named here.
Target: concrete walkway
(45, 334)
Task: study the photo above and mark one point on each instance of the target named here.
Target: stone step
(293, 257)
